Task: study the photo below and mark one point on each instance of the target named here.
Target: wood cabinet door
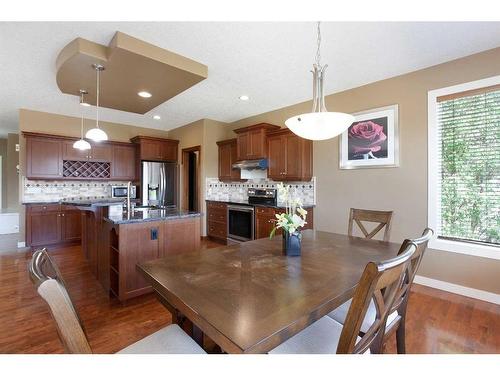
(43, 158)
(225, 162)
(264, 224)
(71, 225)
(276, 158)
(180, 236)
(70, 153)
(242, 146)
(168, 151)
(293, 155)
(150, 150)
(44, 228)
(123, 162)
(136, 245)
(256, 142)
(100, 152)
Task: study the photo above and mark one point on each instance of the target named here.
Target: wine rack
(86, 169)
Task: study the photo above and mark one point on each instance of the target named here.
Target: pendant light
(319, 123)
(82, 144)
(96, 134)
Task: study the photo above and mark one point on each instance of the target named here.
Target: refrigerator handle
(162, 185)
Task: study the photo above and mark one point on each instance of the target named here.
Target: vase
(291, 244)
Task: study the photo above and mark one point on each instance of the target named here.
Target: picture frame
(372, 141)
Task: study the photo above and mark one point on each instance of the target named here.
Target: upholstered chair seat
(169, 340)
(321, 337)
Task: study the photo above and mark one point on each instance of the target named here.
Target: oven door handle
(239, 208)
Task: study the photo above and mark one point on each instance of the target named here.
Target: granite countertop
(140, 215)
(245, 202)
(83, 202)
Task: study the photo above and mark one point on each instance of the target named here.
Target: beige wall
(204, 133)
(3, 154)
(50, 123)
(402, 189)
(12, 175)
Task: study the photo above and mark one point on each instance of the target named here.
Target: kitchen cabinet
(290, 156)
(98, 152)
(124, 162)
(134, 243)
(217, 221)
(53, 157)
(251, 141)
(265, 221)
(43, 157)
(157, 149)
(227, 157)
(52, 224)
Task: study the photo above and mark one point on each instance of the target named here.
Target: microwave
(121, 192)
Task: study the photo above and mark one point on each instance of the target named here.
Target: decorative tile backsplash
(52, 191)
(237, 191)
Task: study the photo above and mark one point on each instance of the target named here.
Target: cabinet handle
(44, 207)
(62, 214)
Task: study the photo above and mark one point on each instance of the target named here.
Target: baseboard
(458, 289)
(21, 244)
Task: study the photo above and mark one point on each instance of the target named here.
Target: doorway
(191, 179)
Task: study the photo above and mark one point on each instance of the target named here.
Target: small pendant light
(319, 123)
(82, 144)
(96, 134)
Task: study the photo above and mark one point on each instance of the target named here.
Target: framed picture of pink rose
(372, 141)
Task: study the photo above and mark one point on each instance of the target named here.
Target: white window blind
(469, 166)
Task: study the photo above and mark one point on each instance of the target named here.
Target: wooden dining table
(249, 298)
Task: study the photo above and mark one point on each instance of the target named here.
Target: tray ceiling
(131, 66)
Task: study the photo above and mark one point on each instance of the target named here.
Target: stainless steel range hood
(251, 164)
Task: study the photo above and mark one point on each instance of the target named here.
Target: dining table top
(249, 298)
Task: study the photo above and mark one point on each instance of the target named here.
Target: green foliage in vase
(470, 170)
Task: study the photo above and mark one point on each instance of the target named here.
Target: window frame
(433, 211)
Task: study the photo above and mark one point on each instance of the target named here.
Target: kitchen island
(129, 238)
(114, 241)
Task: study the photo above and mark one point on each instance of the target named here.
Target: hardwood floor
(438, 322)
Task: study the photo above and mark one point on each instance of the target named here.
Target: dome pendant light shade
(96, 134)
(319, 124)
(81, 144)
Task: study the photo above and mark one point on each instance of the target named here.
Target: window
(464, 167)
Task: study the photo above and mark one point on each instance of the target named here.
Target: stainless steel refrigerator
(159, 184)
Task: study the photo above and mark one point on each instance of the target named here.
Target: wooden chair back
(421, 244)
(383, 218)
(46, 277)
(379, 282)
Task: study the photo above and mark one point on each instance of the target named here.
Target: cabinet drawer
(50, 207)
(216, 229)
(265, 211)
(216, 205)
(217, 215)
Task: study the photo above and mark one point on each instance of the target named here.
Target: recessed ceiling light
(144, 94)
(244, 97)
(156, 117)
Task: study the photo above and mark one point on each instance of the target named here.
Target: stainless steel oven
(240, 223)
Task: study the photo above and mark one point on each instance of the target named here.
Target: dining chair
(46, 277)
(383, 218)
(380, 282)
(397, 316)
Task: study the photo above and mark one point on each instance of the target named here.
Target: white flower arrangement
(294, 216)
